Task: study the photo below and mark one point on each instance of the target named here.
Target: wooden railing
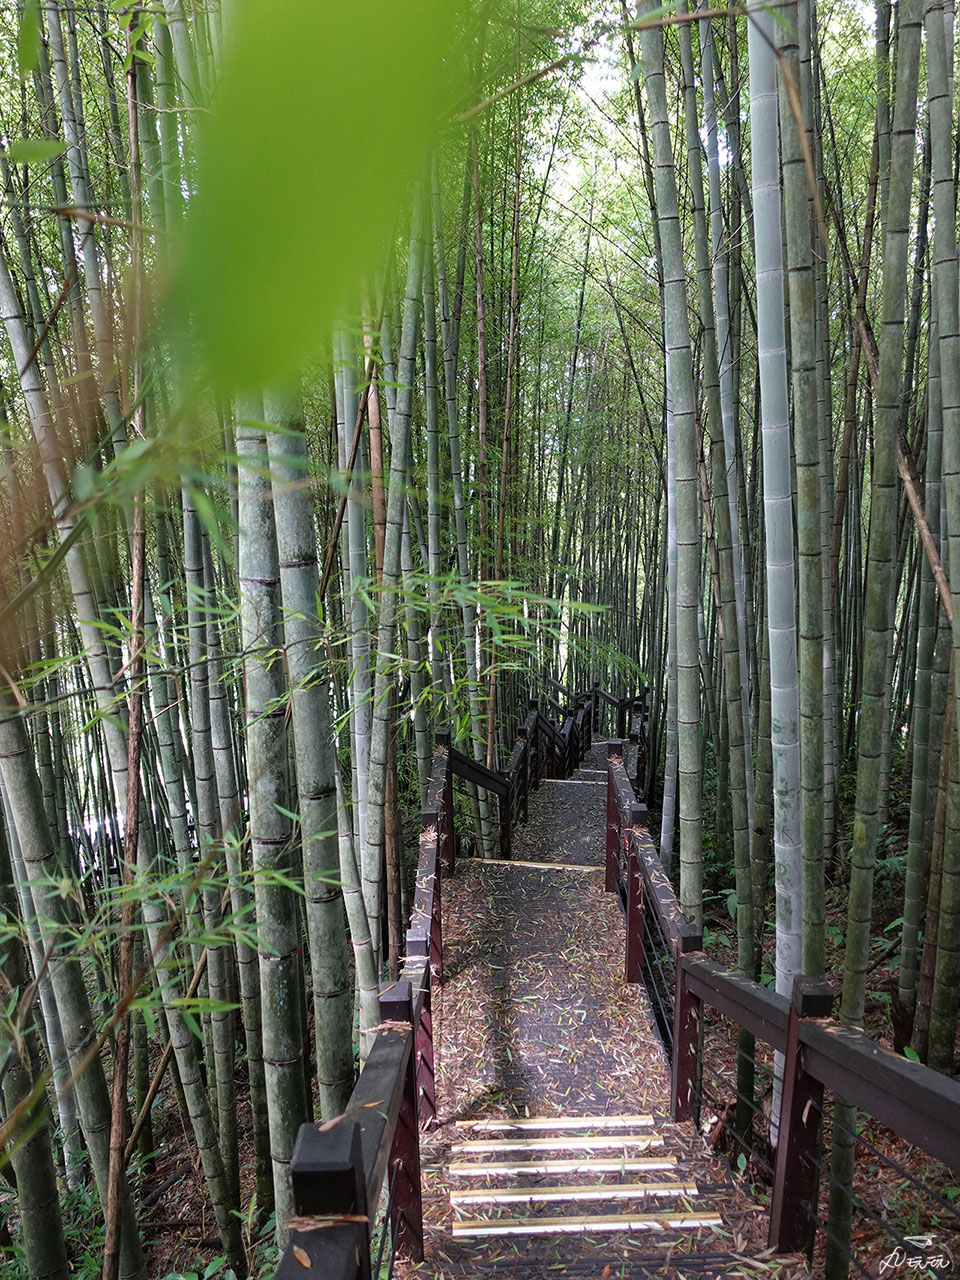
(340, 1170)
(664, 950)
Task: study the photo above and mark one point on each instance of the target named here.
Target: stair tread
(467, 1169)
(495, 1124)
(591, 1142)
(594, 1222)
(588, 1191)
(703, 1266)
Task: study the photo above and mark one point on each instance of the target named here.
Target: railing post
(526, 779)
(534, 706)
(432, 819)
(448, 851)
(633, 957)
(795, 1181)
(525, 773)
(639, 708)
(396, 1005)
(328, 1181)
(614, 750)
(595, 708)
(686, 1031)
(573, 757)
(506, 825)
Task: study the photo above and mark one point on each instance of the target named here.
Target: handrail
(465, 766)
(819, 1054)
(550, 729)
(920, 1104)
(554, 704)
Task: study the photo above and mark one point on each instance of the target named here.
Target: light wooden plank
(466, 1169)
(540, 866)
(503, 1125)
(599, 1191)
(563, 1142)
(672, 1222)
(572, 782)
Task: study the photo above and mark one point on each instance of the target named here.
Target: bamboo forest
(479, 615)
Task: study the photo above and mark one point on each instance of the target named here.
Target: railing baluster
(633, 951)
(396, 1005)
(793, 1203)
(686, 1031)
(613, 823)
(505, 824)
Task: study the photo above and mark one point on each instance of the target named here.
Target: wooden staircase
(563, 1176)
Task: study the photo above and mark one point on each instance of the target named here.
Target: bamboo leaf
(29, 39)
(34, 150)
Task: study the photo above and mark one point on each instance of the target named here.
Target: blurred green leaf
(29, 38)
(324, 117)
(34, 150)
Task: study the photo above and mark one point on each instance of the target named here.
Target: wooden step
(627, 1222)
(494, 1125)
(538, 866)
(563, 1142)
(578, 782)
(541, 1167)
(598, 1191)
(633, 1266)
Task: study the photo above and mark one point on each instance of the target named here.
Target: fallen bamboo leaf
(321, 1221)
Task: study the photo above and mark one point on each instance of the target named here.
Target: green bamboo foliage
(355, 562)
(938, 28)
(734, 666)
(878, 608)
(220, 1062)
(32, 1160)
(680, 383)
(278, 917)
(724, 344)
(878, 604)
(365, 959)
(806, 437)
(450, 339)
(387, 629)
(668, 817)
(923, 781)
(22, 788)
(232, 827)
(777, 496)
(313, 751)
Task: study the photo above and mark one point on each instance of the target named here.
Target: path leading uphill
(556, 1156)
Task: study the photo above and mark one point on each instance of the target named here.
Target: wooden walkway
(556, 1156)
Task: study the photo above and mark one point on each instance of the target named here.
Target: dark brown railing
(664, 950)
(340, 1170)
